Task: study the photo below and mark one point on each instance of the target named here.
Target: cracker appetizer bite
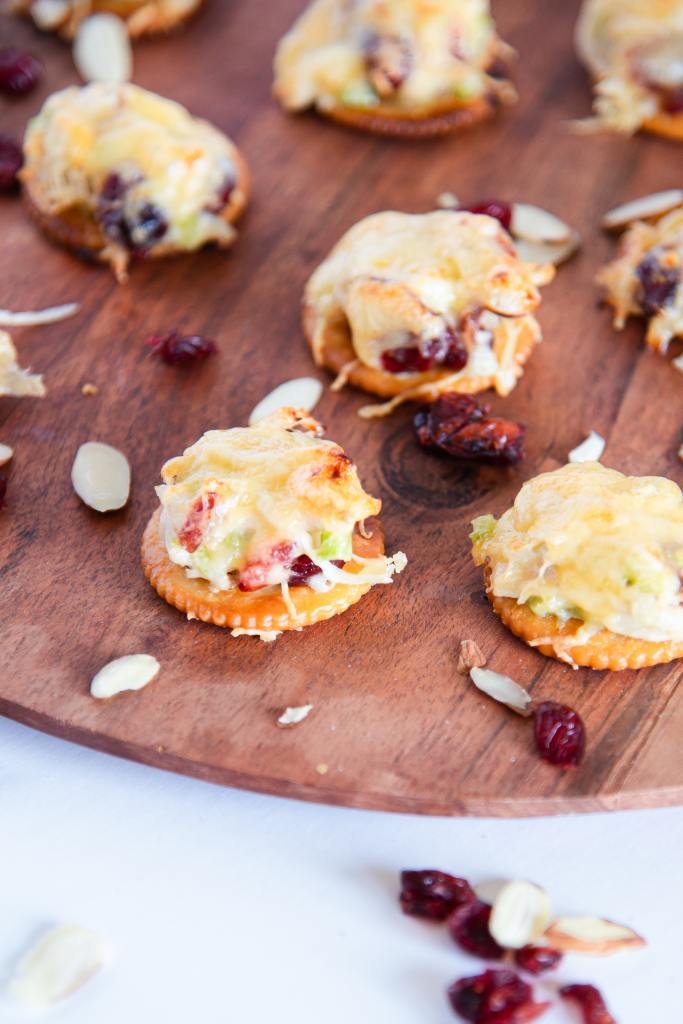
(409, 306)
(404, 68)
(142, 17)
(645, 278)
(634, 51)
(263, 529)
(116, 172)
(586, 566)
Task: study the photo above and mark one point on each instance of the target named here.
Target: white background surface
(231, 908)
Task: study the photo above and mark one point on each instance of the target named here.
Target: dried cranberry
(389, 61)
(469, 927)
(559, 733)
(537, 959)
(492, 208)
(658, 284)
(223, 196)
(495, 997)
(181, 349)
(457, 425)
(433, 894)
(406, 359)
(113, 188)
(447, 350)
(456, 355)
(149, 226)
(590, 1002)
(3, 489)
(303, 568)
(19, 72)
(11, 160)
(192, 530)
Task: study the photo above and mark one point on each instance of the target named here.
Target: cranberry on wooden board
(537, 959)
(181, 349)
(469, 927)
(457, 425)
(495, 997)
(19, 72)
(433, 894)
(501, 212)
(592, 1006)
(559, 733)
(11, 160)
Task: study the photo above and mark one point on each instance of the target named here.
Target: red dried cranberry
(192, 530)
(256, 575)
(495, 997)
(149, 226)
(457, 425)
(433, 894)
(590, 1002)
(303, 568)
(113, 188)
(658, 284)
(502, 212)
(181, 349)
(3, 489)
(537, 959)
(559, 733)
(448, 350)
(456, 355)
(19, 72)
(11, 160)
(406, 359)
(469, 927)
(223, 196)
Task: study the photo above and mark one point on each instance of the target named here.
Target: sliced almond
(545, 252)
(34, 318)
(677, 363)
(470, 656)
(502, 689)
(6, 454)
(101, 476)
(292, 716)
(49, 14)
(60, 962)
(649, 207)
(520, 914)
(300, 393)
(593, 935)
(447, 201)
(102, 50)
(589, 450)
(131, 672)
(534, 224)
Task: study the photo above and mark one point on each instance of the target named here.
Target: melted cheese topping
(165, 157)
(250, 500)
(140, 15)
(662, 245)
(625, 43)
(402, 278)
(409, 53)
(15, 381)
(588, 542)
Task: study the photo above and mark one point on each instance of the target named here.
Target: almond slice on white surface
(101, 476)
(6, 454)
(593, 935)
(34, 318)
(590, 450)
(546, 252)
(300, 393)
(520, 914)
(131, 672)
(534, 224)
(503, 689)
(60, 962)
(102, 50)
(292, 716)
(645, 208)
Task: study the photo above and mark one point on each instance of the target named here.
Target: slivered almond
(131, 672)
(534, 224)
(300, 393)
(34, 318)
(503, 689)
(101, 476)
(6, 454)
(546, 252)
(589, 450)
(49, 14)
(520, 914)
(102, 50)
(593, 935)
(470, 656)
(292, 716)
(677, 363)
(60, 962)
(649, 207)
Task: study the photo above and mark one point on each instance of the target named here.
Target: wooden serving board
(394, 726)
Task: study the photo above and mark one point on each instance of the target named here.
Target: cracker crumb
(447, 201)
(470, 656)
(89, 389)
(322, 769)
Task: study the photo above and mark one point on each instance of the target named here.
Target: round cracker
(266, 612)
(337, 352)
(401, 124)
(604, 650)
(670, 126)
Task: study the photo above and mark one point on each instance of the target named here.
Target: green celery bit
(335, 546)
(482, 528)
(360, 94)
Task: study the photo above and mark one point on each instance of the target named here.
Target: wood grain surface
(394, 726)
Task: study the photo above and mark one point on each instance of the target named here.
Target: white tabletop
(230, 908)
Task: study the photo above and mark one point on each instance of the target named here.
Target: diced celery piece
(482, 528)
(335, 546)
(360, 94)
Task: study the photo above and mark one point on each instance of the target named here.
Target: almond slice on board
(520, 914)
(292, 716)
(590, 450)
(34, 318)
(131, 672)
(102, 50)
(534, 224)
(6, 454)
(503, 689)
(101, 476)
(547, 252)
(593, 935)
(645, 208)
(300, 393)
(60, 962)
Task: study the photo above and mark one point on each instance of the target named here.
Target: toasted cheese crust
(404, 59)
(134, 169)
(634, 50)
(587, 546)
(442, 294)
(645, 278)
(142, 17)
